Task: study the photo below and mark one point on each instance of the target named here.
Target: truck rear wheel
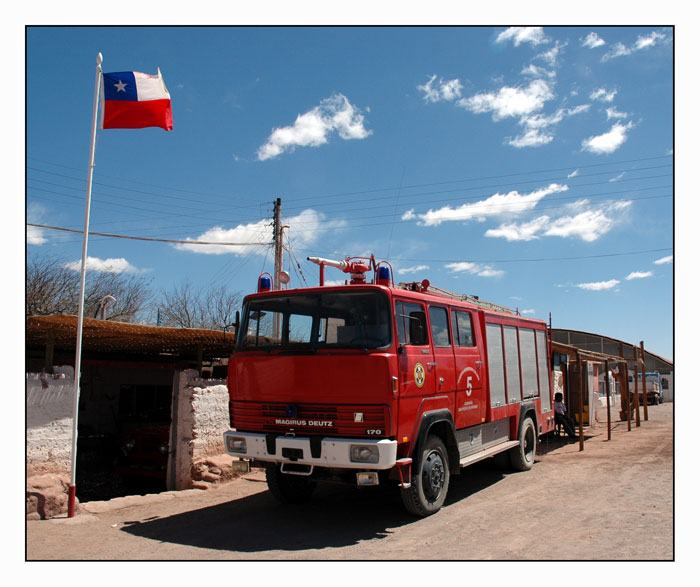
(288, 488)
(428, 489)
(522, 457)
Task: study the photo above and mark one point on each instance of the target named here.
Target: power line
(534, 260)
(145, 238)
(485, 178)
(488, 187)
(223, 197)
(377, 190)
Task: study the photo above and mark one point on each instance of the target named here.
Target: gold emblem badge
(419, 375)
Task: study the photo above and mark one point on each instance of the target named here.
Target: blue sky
(530, 166)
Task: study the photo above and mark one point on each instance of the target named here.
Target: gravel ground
(612, 501)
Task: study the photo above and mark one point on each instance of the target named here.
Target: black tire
(288, 488)
(429, 484)
(522, 457)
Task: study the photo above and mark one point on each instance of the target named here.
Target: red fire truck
(371, 382)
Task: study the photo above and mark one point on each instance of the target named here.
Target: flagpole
(81, 301)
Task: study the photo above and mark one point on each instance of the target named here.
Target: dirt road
(613, 501)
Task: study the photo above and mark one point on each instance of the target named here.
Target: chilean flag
(132, 99)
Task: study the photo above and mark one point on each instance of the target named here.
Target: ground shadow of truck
(338, 516)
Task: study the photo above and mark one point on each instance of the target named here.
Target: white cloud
(519, 232)
(312, 129)
(586, 224)
(648, 41)
(608, 142)
(642, 42)
(550, 57)
(536, 125)
(574, 173)
(612, 113)
(35, 214)
(116, 265)
(508, 101)
(521, 34)
(639, 275)
(664, 260)
(35, 236)
(599, 285)
(592, 41)
(304, 229)
(414, 269)
(618, 50)
(475, 269)
(446, 90)
(498, 204)
(531, 138)
(603, 95)
(538, 72)
(531, 311)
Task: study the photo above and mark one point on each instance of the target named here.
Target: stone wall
(202, 417)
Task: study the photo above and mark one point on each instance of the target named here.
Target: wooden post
(579, 363)
(607, 391)
(628, 402)
(48, 352)
(644, 381)
(636, 394)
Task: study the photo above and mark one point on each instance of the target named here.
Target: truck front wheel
(428, 489)
(288, 488)
(522, 457)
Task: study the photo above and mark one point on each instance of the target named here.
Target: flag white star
(120, 86)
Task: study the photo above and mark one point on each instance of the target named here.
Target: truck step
(488, 452)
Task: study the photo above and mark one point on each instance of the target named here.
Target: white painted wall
(49, 432)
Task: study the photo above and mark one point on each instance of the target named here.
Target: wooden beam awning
(567, 349)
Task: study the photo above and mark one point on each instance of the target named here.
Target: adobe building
(152, 410)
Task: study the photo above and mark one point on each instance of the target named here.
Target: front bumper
(334, 452)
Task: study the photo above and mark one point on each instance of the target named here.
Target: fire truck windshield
(359, 319)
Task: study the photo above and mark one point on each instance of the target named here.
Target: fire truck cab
(371, 382)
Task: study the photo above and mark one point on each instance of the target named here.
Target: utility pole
(277, 239)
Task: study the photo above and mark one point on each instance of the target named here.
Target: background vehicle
(654, 390)
(373, 382)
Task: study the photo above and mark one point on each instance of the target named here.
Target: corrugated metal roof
(106, 336)
(600, 343)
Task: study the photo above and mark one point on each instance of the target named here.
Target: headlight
(130, 444)
(364, 454)
(236, 444)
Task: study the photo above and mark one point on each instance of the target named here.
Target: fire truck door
(442, 351)
(416, 360)
(469, 369)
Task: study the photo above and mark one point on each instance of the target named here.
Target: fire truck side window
(439, 326)
(462, 328)
(411, 324)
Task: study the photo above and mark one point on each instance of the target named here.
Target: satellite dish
(284, 277)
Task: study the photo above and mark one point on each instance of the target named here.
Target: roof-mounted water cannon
(351, 265)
